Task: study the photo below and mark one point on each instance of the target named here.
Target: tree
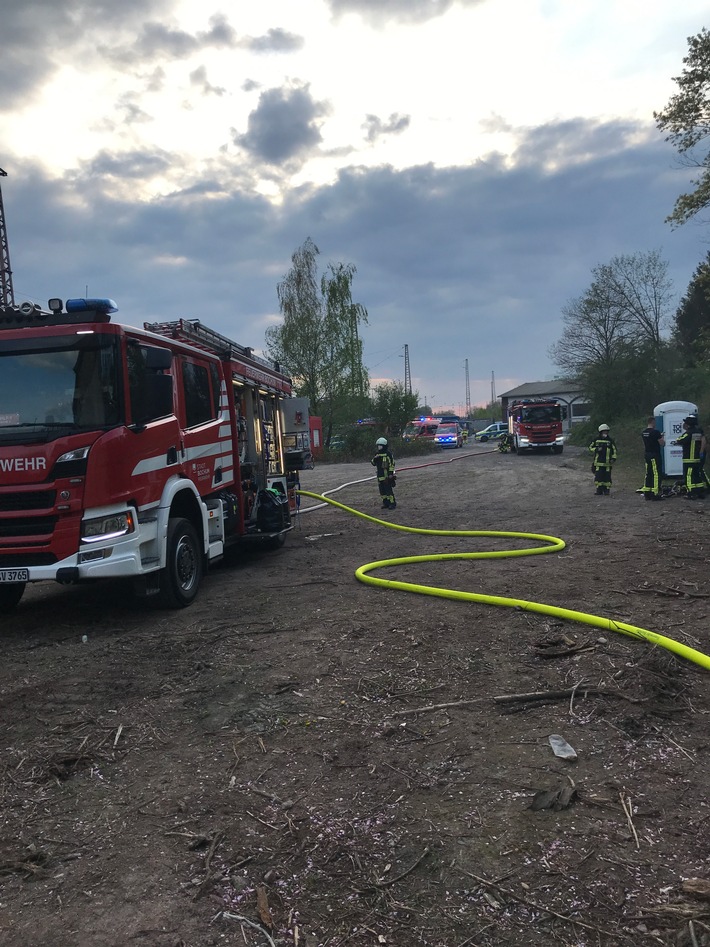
(692, 319)
(639, 285)
(686, 119)
(319, 343)
(393, 406)
(596, 330)
(612, 336)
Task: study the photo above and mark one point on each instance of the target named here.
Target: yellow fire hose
(553, 544)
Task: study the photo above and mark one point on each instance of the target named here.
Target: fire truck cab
(128, 453)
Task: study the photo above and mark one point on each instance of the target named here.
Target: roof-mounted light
(91, 305)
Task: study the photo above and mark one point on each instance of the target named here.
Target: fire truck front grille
(16, 528)
(31, 500)
(27, 559)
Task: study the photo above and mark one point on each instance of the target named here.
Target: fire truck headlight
(107, 527)
(81, 453)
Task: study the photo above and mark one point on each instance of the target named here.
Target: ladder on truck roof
(195, 333)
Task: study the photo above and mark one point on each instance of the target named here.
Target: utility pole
(7, 296)
(493, 388)
(407, 372)
(468, 393)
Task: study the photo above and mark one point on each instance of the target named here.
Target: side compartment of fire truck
(248, 499)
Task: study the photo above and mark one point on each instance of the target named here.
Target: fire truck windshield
(55, 386)
(541, 413)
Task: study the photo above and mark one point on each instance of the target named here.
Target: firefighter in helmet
(692, 440)
(386, 480)
(603, 450)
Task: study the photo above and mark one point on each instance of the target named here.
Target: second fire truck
(535, 424)
(127, 453)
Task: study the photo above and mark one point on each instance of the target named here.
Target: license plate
(14, 575)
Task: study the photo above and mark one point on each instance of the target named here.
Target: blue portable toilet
(669, 420)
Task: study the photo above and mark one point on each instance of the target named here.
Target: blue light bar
(91, 305)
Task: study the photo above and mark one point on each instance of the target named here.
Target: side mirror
(158, 360)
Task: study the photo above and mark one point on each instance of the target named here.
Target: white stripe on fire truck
(151, 464)
(208, 450)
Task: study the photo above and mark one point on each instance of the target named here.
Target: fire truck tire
(276, 542)
(181, 577)
(10, 595)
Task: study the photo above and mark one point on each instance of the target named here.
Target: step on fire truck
(140, 454)
(535, 424)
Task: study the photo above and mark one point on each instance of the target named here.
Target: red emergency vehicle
(424, 428)
(535, 424)
(132, 453)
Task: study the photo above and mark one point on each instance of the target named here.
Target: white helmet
(603, 427)
(381, 442)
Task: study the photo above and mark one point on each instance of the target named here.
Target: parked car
(337, 442)
(492, 432)
(448, 435)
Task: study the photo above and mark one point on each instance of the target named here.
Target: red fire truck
(140, 454)
(535, 424)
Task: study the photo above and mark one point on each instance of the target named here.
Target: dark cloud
(39, 35)
(198, 78)
(156, 41)
(459, 263)
(132, 113)
(136, 165)
(273, 41)
(284, 126)
(375, 127)
(405, 11)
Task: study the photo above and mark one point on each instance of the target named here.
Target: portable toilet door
(669, 420)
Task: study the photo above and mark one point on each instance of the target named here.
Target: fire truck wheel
(180, 579)
(276, 542)
(10, 595)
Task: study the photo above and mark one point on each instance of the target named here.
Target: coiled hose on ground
(552, 544)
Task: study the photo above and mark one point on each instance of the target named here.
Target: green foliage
(686, 119)
(318, 343)
(691, 331)
(493, 410)
(393, 407)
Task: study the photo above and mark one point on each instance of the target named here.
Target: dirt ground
(302, 759)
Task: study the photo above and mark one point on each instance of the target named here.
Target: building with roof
(567, 391)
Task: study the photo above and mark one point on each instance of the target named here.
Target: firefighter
(692, 440)
(603, 450)
(653, 441)
(386, 480)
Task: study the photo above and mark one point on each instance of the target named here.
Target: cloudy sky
(473, 159)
